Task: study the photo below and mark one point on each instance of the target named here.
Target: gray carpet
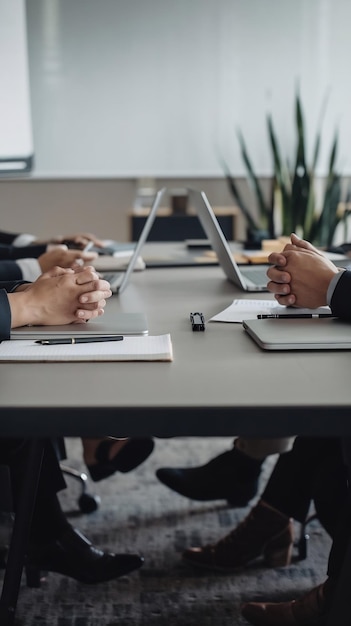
(138, 513)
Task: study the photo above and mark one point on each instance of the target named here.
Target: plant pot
(254, 238)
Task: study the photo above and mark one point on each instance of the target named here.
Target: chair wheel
(88, 503)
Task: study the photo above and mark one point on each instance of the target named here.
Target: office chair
(87, 502)
(302, 542)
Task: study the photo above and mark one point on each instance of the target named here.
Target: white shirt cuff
(23, 240)
(30, 269)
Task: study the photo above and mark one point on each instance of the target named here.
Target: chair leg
(20, 534)
(87, 502)
(304, 538)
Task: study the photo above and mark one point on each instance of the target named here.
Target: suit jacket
(5, 311)
(7, 238)
(9, 270)
(341, 298)
(8, 252)
(11, 252)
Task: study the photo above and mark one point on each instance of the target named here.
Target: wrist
(24, 310)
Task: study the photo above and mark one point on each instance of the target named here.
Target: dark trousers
(314, 470)
(342, 536)
(14, 454)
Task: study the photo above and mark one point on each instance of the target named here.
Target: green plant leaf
(263, 208)
(281, 179)
(251, 222)
(301, 178)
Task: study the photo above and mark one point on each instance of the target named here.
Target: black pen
(294, 316)
(72, 340)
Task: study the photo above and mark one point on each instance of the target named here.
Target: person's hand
(94, 298)
(62, 257)
(80, 239)
(300, 275)
(61, 296)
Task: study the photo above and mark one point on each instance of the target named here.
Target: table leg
(20, 534)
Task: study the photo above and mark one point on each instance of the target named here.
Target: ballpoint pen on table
(73, 340)
(293, 316)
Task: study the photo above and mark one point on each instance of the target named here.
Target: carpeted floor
(138, 513)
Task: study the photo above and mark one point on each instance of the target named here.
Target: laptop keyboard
(256, 275)
(109, 276)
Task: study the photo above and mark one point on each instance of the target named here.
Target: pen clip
(197, 321)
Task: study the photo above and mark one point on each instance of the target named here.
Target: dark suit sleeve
(341, 298)
(5, 316)
(5, 311)
(9, 270)
(7, 238)
(8, 252)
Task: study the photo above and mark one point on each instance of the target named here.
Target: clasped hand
(60, 296)
(300, 275)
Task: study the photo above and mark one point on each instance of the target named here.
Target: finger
(84, 315)
(94, 295)
(87, 256)
(87, 275)
(278, 288)
(276, 258)
(92, 306)
(286, 300)
(302, 243)
(57, 271)
(78, 263)
(277, 275)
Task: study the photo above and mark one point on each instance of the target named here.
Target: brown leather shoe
(264, 532)
(309, 610)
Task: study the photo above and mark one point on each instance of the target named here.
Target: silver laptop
(119, 280)
(300, 334)
(250, 278)
(121, 324)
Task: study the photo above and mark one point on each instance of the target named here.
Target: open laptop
(247, 278)
(300, 334)
(120, 279)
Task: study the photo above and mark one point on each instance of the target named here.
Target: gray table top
(220, 382)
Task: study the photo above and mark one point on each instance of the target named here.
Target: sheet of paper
(147, 348)
(117, 261)
(242, 309)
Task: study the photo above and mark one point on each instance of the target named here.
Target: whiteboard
(16, 140)
(131, 88)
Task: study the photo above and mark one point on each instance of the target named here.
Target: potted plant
(293, 191)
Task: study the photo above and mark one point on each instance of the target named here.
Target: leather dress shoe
(133, 453)
(309, 610)
(75, 556)
(264, 532)
(231, 476)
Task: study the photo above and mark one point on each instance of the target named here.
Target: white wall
(16, 140)
(132, 88)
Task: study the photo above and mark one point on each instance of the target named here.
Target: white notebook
(146, 348)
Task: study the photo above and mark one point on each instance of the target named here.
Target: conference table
(219, 383)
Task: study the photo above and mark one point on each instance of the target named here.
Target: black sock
(249, 467)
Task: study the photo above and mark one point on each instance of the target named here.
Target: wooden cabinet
(172, 227)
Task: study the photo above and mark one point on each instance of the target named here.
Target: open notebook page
(245, 309)
(147, 348)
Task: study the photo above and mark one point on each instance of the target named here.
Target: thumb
(302, 243)
(57, 271)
